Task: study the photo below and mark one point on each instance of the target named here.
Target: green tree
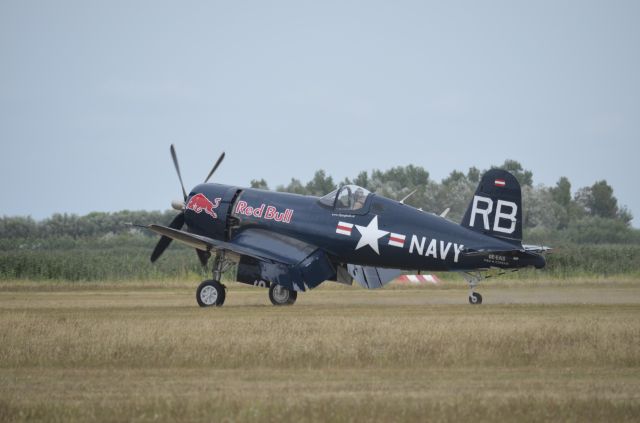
(603, 204)
(561, 193)
(539, 208)
(454, 192)
(362, 180)
(598, 200)
(524, 177)
(295, 187)
(473, 175)
(320, 185)
(17, 227)
(624, 215)
(259, 183)
(404, 176)
(561, 196)
(399, 181)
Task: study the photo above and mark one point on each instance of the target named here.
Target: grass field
(535, 351)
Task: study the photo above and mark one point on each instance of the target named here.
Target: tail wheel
(280, 296)
(210, 293)
(475, 298)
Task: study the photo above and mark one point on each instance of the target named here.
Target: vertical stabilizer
(496, 207)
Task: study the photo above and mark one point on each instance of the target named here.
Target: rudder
(496, 208)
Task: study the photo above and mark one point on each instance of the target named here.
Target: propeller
(178, 221)
(175, 163)
(164, 242)
(203, 256)
(215, 166)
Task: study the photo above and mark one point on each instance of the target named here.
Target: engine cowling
(207, 209)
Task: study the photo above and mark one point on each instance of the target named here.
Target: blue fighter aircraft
(289, 243)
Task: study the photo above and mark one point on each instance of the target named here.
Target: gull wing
(283, 260)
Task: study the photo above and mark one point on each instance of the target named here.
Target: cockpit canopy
(347, 197)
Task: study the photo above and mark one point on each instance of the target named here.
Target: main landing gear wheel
(210, 293)
(475, 298)
(280, 296)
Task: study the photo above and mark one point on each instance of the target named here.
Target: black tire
(210, 293)
(475, 299)
(281, 296)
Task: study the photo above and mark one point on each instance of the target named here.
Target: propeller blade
(175, 163)
(215, 166)
(164, 242)
(203, 256)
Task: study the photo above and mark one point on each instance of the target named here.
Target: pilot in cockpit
(358, 199)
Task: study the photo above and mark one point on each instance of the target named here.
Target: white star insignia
(370, 235)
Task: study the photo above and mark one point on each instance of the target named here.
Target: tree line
(72, 226)
(100, 246)
(589, 214)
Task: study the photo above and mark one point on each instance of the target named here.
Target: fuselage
(380, 232)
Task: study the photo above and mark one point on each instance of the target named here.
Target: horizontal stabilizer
(536, 248)
(501, 257)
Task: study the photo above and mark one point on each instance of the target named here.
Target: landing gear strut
(473, 279)
(212, 292)
(280, 296)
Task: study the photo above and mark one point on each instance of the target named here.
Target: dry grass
(569, 353)
(448, 280)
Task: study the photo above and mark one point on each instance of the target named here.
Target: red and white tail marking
(344, 228)
(418, 279)
(397, 240)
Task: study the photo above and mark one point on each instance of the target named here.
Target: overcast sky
(93, 93)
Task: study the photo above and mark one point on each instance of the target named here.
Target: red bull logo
(199, 203)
